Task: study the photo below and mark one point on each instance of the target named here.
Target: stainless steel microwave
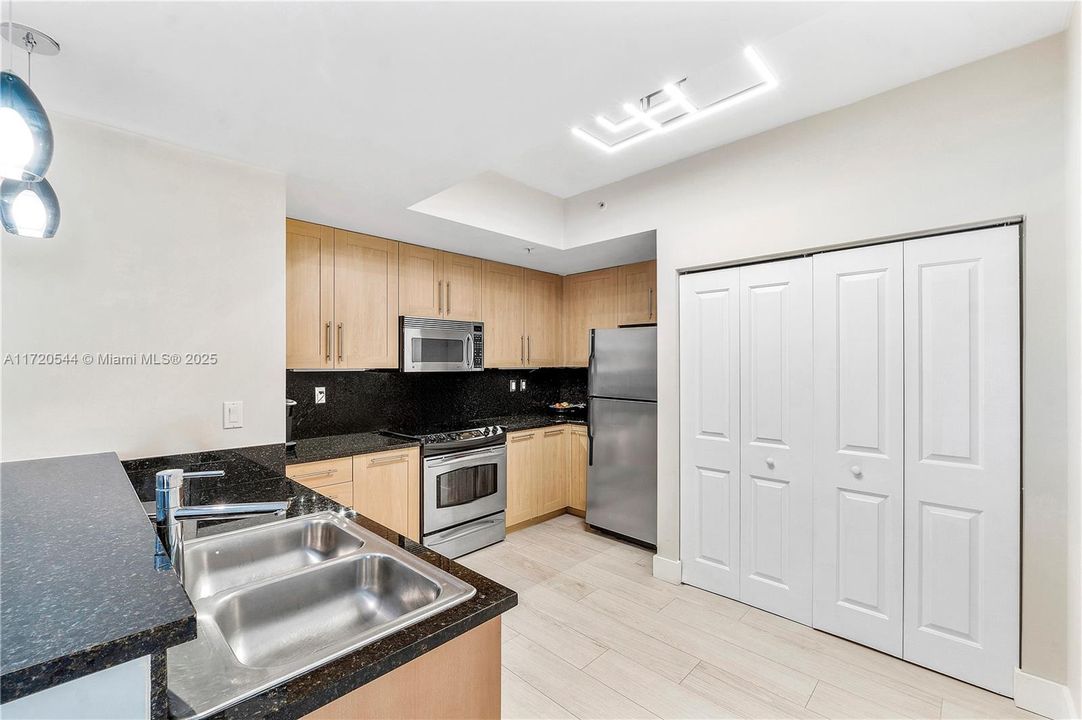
(433, 345)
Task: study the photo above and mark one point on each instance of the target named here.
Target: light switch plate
(321, 395)
(232, 414)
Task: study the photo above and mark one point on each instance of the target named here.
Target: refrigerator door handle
(589, 436)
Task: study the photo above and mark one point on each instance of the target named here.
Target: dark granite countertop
(81, 592)
(336, 446)
(249, 477)
(530, 422)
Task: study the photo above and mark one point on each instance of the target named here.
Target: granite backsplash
(377, 400)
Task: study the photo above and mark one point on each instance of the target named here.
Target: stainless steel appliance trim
(436, 518)
(464, 539)
(412, 328)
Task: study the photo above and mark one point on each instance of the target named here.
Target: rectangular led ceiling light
(643, 118)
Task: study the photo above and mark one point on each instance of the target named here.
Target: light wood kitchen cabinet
(637, 297)
(438, 284)
(420, 281)
(502, 312)
(523, 476)
(542, 321)
(321, 473)
(554, 468)
(461, 287)
(309, 294)
(365, 301)
(578, 462)
(387, 489)
(590, 301)
(459, 679)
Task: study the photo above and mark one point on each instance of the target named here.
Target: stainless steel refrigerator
(621, 493)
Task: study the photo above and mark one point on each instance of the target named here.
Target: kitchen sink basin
(280, 599)
(220, 562)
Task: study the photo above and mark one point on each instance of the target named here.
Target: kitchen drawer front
(341, 493)
(319, 474)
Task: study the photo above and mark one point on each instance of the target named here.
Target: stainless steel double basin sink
(275, 601)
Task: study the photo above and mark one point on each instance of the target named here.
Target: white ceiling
(370, 108)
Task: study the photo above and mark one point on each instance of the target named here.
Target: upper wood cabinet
(365, 301)
(461, 287)
(637, 299)
(590, 301)
(521, 312)
(309, 294)
(502, 312)
(438, 284)
(542, 321)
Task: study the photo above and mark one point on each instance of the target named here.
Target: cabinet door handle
(339, 342)
(328, 339)
(439, 300)
(448, 297)
(317, 473)
(385, 461)
(527, 349)
(650, 305)
(522, 349)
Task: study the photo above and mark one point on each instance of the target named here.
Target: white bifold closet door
(962, 455)
(710, 431)
(858, 445)
(775, 437)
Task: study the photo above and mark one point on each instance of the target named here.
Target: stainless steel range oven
(463, 489)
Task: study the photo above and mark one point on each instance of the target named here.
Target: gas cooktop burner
(451, 440)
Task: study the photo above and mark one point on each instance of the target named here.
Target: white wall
(1073, 124)
(978, 142)
(160, 249)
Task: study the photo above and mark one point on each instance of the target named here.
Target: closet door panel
(775, 456)
(962, 455)
(858, 445)
(710, 431)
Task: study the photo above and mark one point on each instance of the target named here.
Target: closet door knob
(770, 463)
(857, 472)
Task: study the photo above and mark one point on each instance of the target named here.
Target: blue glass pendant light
(28, 203)
(29, 209)
(26, 135)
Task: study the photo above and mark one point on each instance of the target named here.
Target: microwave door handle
(469, 349)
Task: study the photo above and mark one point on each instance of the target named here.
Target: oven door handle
(483, 452)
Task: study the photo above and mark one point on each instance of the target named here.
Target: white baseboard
(667, 570)
(1037, 695)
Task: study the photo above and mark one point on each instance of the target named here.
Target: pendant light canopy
(26, 135)
(29, 209)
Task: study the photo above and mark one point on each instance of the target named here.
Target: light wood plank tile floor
(595, 635)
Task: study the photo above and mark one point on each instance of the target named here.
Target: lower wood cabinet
(546, 472)
(578, 461)
(459, 679)
(387, 489)
(385, 486)
(523, 476)
(554, 470)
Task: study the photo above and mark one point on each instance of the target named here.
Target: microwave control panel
(478, 346)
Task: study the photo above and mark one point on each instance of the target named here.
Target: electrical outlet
(522, 385)
(232, 414)
(321, 395)
(514, 385)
